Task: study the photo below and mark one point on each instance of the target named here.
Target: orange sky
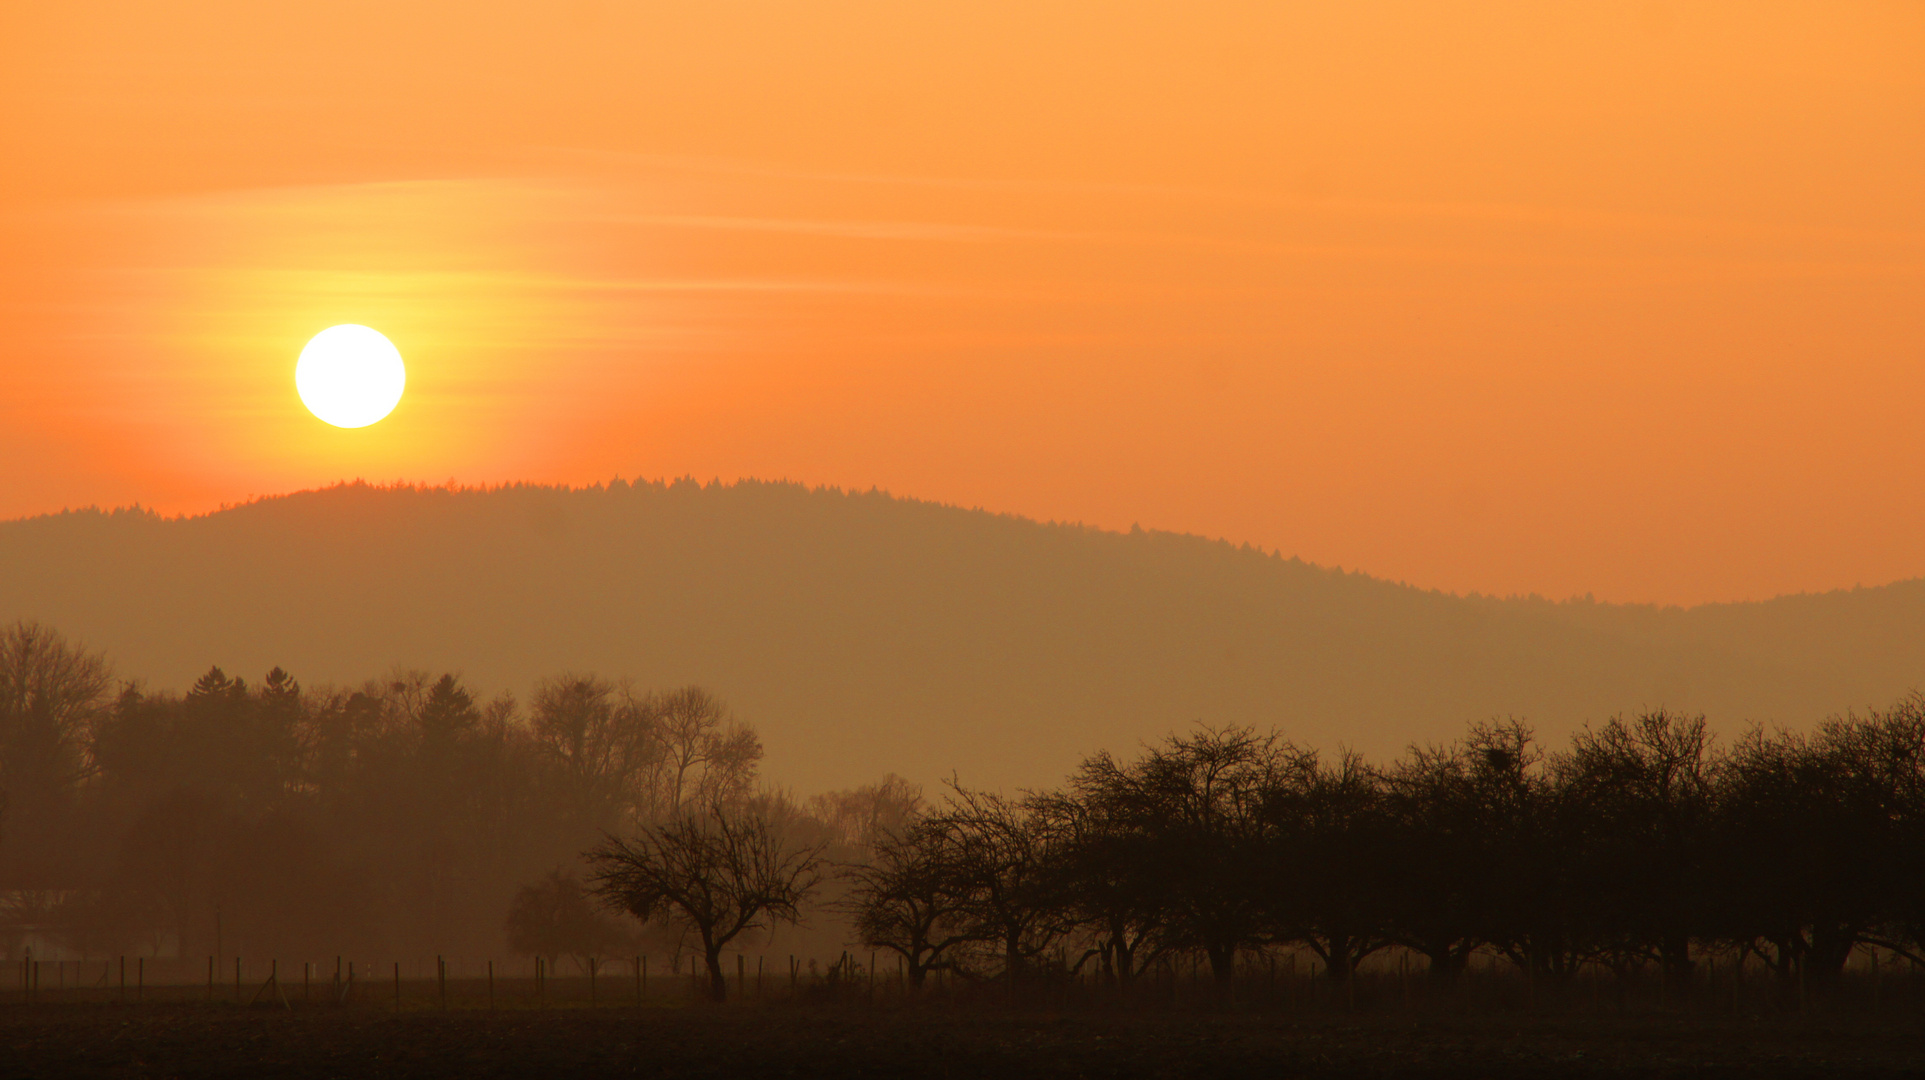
(1615, 298)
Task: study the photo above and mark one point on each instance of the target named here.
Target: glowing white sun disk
(350, 376)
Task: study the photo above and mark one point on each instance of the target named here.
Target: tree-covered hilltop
(860, 629)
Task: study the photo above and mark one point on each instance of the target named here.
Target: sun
(350, 375)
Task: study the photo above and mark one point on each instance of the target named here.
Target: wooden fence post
(593, 963)
(210, 980)
(491, 986)
(441, 979)
(639, 991)
(140, 978)
(397, 986)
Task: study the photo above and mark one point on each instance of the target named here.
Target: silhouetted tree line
(1641, 843)
(407, 813)
(291, 821)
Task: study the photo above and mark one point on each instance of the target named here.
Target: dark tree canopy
(1643, 843)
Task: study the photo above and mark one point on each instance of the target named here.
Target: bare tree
(870, 814)
(720, 874)
(1186, 830)
(1110, 895)
(603, 738)
(1820, 843)
(49, 692)
(50, 697)
(1466, 869)
(1004, 859)
(1640, 795)
(707, 758)
(911, 899)
(1331, 857)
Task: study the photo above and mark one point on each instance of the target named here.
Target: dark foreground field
(802, 1041)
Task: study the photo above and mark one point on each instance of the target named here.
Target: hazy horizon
(861, 632)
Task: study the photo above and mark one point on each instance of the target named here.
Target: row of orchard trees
(1643, 842)
(283, 820)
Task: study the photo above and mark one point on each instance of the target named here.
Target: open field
(854, 1040)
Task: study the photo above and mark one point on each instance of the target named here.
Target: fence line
(1717, 983)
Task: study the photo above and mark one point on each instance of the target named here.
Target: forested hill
(862, 633)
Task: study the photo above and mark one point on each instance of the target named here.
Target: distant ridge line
(865, 632)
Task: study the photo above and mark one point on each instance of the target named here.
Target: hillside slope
(863, 633)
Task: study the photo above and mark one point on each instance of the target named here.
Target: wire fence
(1284, 982)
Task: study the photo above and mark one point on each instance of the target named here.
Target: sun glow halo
(350, 375)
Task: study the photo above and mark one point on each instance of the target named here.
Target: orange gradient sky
(1619, 298)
